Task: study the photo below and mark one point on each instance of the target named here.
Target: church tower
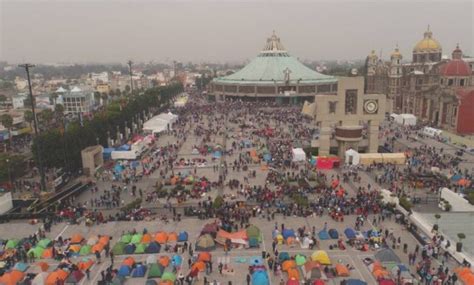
(395, 80)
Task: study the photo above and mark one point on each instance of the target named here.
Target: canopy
(352, 157)
(321, 256)
(205, 243)
(239, 237)
(155, 271)
(298, 154)
(350, 233)
(139, 271)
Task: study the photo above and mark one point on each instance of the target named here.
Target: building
(18, 101)
(345, 115)
(102, 77)
(435, 89)
(78, 101)
(103, 88)
(274, 75)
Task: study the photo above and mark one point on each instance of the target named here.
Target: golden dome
(427, 43)
(396, 53)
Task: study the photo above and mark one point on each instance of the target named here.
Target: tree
(104, 97)
(7, 122)
(127, 88)
(28, 116)
(97, 96)
(3, 98)
(118, 92)
(54, 97)
(46, 116)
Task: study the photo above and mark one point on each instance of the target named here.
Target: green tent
(37, 251)
(85, 250)
(126, 238)
(140, 248)
(300, 259)
(168, 276)
(119, 248)
(254, 232)
(155, 271)
(11, 244)
(136, 239)
(44, 243)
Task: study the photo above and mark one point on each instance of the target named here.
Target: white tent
(160, 123)
(352, 157)
(298, 154)
(40, 278)
(406, 119)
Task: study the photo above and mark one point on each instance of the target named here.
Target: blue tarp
(107, 153)
(333, 233)
(350, 233)
(124, 147)
(153, 247)
(129, 249)
(177, 260)
(217, 154)
(323, 235)
(124, 271)
(288, 233)
(260, 278)
(355, 282)
(139, 271)
(183, 236)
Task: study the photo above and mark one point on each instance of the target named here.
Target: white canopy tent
(160, 123)
(352, 157)
(298, 154)
(405, 119)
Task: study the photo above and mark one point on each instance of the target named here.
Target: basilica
(439, 90)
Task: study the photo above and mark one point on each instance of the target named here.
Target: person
(248, 279)
(181, 278)
(220, 267)
(97, 256)
(111, 257)
(88, 274)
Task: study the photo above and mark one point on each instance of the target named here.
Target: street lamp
(9, 173)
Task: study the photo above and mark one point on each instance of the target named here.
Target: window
(332, 107)
(461, 82)
(351, 102)
(450, 82)
(442, 81)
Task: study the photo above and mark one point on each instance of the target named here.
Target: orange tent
(97, 248)
(104, 240)
(167, 282)
(288, 264)
(83, 265)
(293, 273)
(290, 240)
(204, 256)
(129, 261)
(172, 237)
(465, 275)
(342, 270)
(12, 277)
(146, 238)
(201, 266)
(75, 248)
(48, 253)
(76, 238)
(164, 260)
(161, 237)
(43, 265)
(56, 275)
(309, 265)
(463, 182)
(242, 234)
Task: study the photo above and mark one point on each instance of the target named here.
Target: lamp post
(9, 173)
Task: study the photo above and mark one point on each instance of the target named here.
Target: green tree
(28, 115)
(11, 166)
(46, 116)
(7, 122)
(127, 88)
(3, 98)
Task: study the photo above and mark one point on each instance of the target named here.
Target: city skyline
(113, 31)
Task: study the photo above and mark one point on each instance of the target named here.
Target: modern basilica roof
(275, 65)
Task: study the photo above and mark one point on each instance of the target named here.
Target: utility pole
(131, 74)
(27, 66)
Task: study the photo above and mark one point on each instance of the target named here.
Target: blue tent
(129, 248)
(183, 236)
(253, 242)
(177, 260)
(260, 278)
(124, 271)
(456, 177)
(217, 154)
(255, 261)
(333, 233)
(118, 168)
(283, 256)
(20, 266)
(355, 282)
(267, 157)
(153, 247)
(288, 233)
(350, 233)
(323, 235)
(139, 271)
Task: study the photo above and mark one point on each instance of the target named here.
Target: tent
(404, 119)
(323, 235)
(288, 233)
(161, 237)
(183, 236)
(40, 278)
(124, 271)
(293, 273)
(283, 256)
(310, 265)
(254, 232)
(253, 242)
(210, 228)
(176, 260)
(126, 238)
(153, 247)
(465, 275)
(172, 237)
(292, 281)
(168, 276)
(256, 261)
(136, 238)
(387, 255)
(327, 162)
(164, 260)
(298, 154)
(355, 282)
(386, 282)
(118, 280)
(56, 275)
(140, 248)
(288, 264)
(118, 249)
(85, 263)
(20, 266)
(352, 157)
(76, 238)
(370, 158)
(92, 241)
(321, 256)
(341, 270)
(75, 248)
(138, 271)
(36, 251)
(97, 248)
(300, 259)
(43, 265)
(204, 256)
(350, 233)
(75, 277)
(129, 249)
(146, 238)
(12, 277)
(104, 240)
(12, 243)
(318, 282)
(260, 278)
(44, 243)
(333, 233)
(155, 271)
(199, 266)
(239, 237)
(205, 243)
(129, 261)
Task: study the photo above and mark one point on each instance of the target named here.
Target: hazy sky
(113, 31)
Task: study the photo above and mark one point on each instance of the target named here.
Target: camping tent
(288, 233)
(153, 247)
(321, 256)
(239, 237)
(156, 270)
(350, 233)
(140, 248)
(333, 233)
(183, 236)
(75, 277)
(387, 255)
(260, 278)
(54, 276)
(323, 235)
(124, 271)
(12, 243)
(40, 278)
(352, 157)
(205, 243)
(139, 271)
(342, 270)
(254, 232)
(129, 248)
(12, 277)
(298, 154)
(355, 282)
(118, 249)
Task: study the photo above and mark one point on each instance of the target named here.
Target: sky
(105, 31)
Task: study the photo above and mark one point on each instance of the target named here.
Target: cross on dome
(273, 45)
